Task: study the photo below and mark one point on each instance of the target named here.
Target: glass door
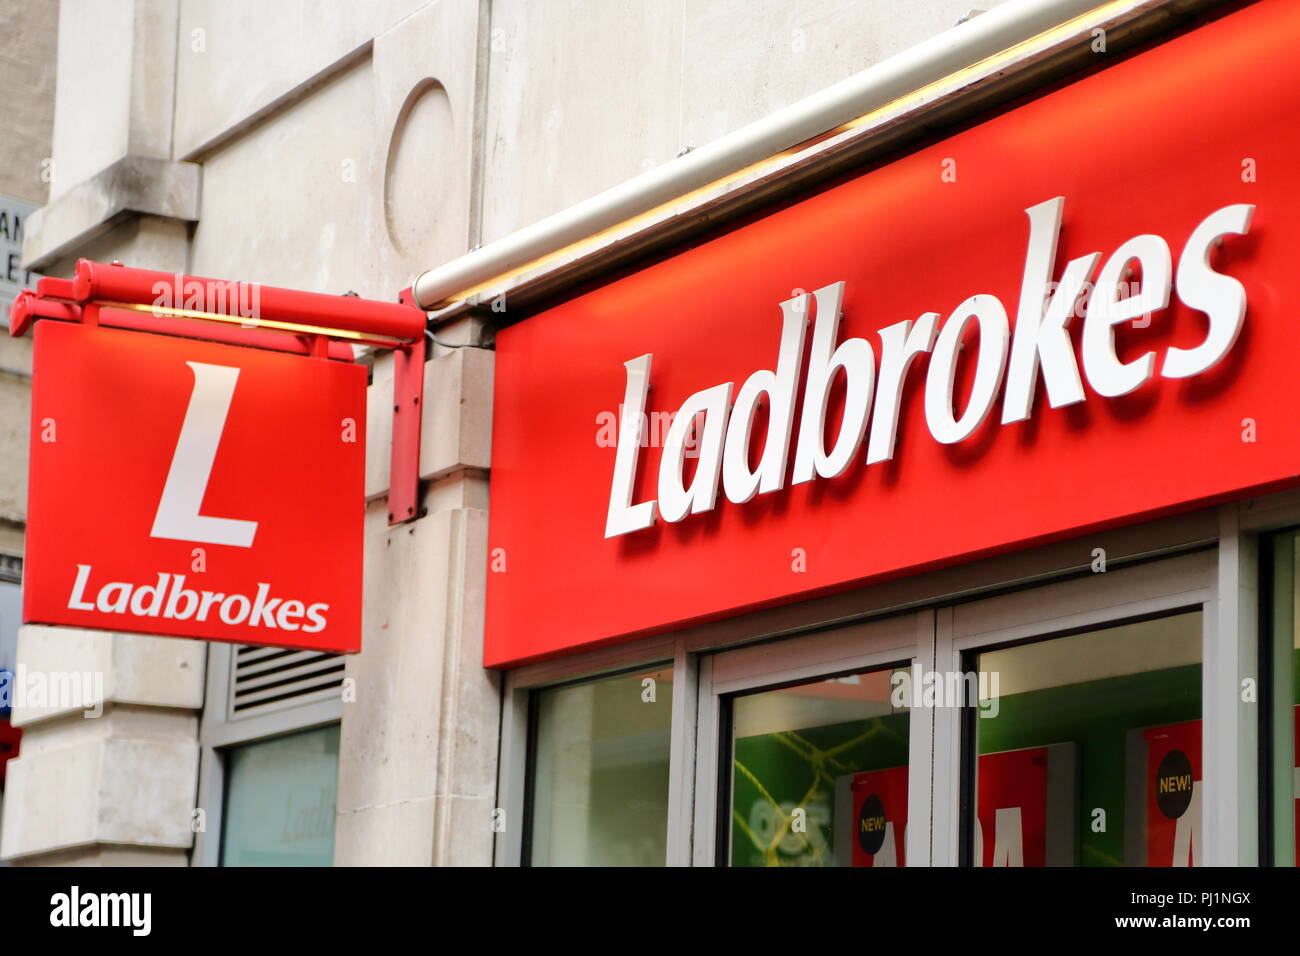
(1087, 747)
(1055, 725)
(1079, 742)
(813, 740)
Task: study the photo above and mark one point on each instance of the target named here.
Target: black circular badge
(1174, 784)
(871, 825)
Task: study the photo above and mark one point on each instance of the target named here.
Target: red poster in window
(186, 488)
(879, 817)
(1012, 808)
(1174, 794)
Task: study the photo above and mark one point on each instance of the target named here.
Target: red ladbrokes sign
(1078, 314)
(193, 489)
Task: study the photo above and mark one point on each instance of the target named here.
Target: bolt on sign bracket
(311, 324)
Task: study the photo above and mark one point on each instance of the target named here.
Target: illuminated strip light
(248, 322)
(1021, 50)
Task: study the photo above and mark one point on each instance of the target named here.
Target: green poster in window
(779, 773)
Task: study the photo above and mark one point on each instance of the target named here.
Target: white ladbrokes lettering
(1009, 362)
(170, 599)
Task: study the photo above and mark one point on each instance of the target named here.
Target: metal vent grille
(265, 679)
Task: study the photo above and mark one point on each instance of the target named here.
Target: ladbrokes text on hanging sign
(194, 489)
(1075, 315)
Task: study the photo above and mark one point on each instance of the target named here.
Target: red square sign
(192, 489)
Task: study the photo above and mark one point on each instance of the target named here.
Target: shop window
(1281, 654)
(819, 774)
(279, 806)
(268, 764)
(599, 772)
(1088, 749)
(11, 610)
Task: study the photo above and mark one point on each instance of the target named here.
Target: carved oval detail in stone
(414, 177)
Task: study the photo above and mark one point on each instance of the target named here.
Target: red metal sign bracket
(408, 399)
(311, 324)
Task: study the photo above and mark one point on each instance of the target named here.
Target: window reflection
(820, 774)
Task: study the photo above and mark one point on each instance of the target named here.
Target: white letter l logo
(178, 512)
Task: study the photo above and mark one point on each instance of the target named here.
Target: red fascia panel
(1150, 146)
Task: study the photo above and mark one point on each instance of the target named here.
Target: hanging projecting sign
(1077, 314)
(194, 489)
